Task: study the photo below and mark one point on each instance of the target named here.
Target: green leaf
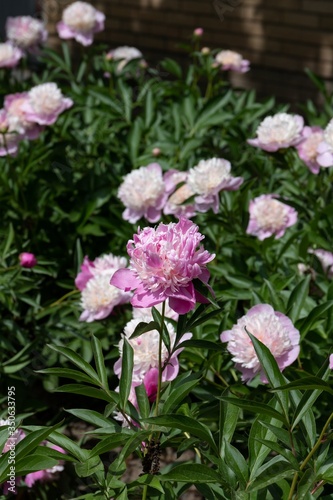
(143, 327)
(134, 139)
(143, 401)
(91, 392)
(237, 463)
(24, 447)
(9, 241)
(94, 418)
(76, 360)
(151, 481)
(186, 424)
(172, 67)
(319, 312)
(67, 373)
(149, 109)
(109, 443)
(126, 373)
(34, 463)
(254, 407)
(287, 454)
(272, 371)
(257, 451)
(201, 344)
(306, 383)
(177, 395)
(227, 421)
(68, 445)
(89, 467)
(192, 474)
(99, 361)
(297, 299)
(270, 473)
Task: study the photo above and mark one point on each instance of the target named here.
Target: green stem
(144, 493)
(309, 456)
(160, 367)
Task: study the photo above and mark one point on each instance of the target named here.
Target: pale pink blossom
(164, 262)
(27, 259)
(105, 264)
(180, 194)
(326, 260)
(80, 21)
(278, 131)
(331, 362)
(325, 148)
(98, 297)
(13, 104)
(9, 55)
(44, 104)
(207, 179)
(46, 475)
(198, 32)
(156, 151)
(85, 274)
(124, 55)
(273, 329)
(230, 60)
(10, 134)
(269, 217)
(143, 193)
(26, 32)
(308, 147)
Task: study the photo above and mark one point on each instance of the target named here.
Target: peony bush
(166, 271)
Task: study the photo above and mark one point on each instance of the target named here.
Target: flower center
(98, 293)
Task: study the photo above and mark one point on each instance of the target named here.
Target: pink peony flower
(146, 351)
(273, 329)
(326, 260)
(26, 32)
(198, 32)
(124, 55)
(13, 106)
(27, 259)
(9, 55)
(105, 264)
(143, 193)
(46, 474)
(325, 148)
(98, 298)
(269, 217)
(44, 104)
(278, 131)
(229, 60)
(164, 262)
(307, 148)
(179, 194)
(10, 134)
(207, 179)
(80, 21)
(85, 274)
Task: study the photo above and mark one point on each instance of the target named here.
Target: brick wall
(280, 37)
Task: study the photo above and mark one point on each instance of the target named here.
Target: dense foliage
(59, 195)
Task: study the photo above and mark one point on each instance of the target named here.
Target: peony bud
(27, 259)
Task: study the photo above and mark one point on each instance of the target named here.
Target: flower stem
(309, 456)
(144, 493)
(160, 367)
